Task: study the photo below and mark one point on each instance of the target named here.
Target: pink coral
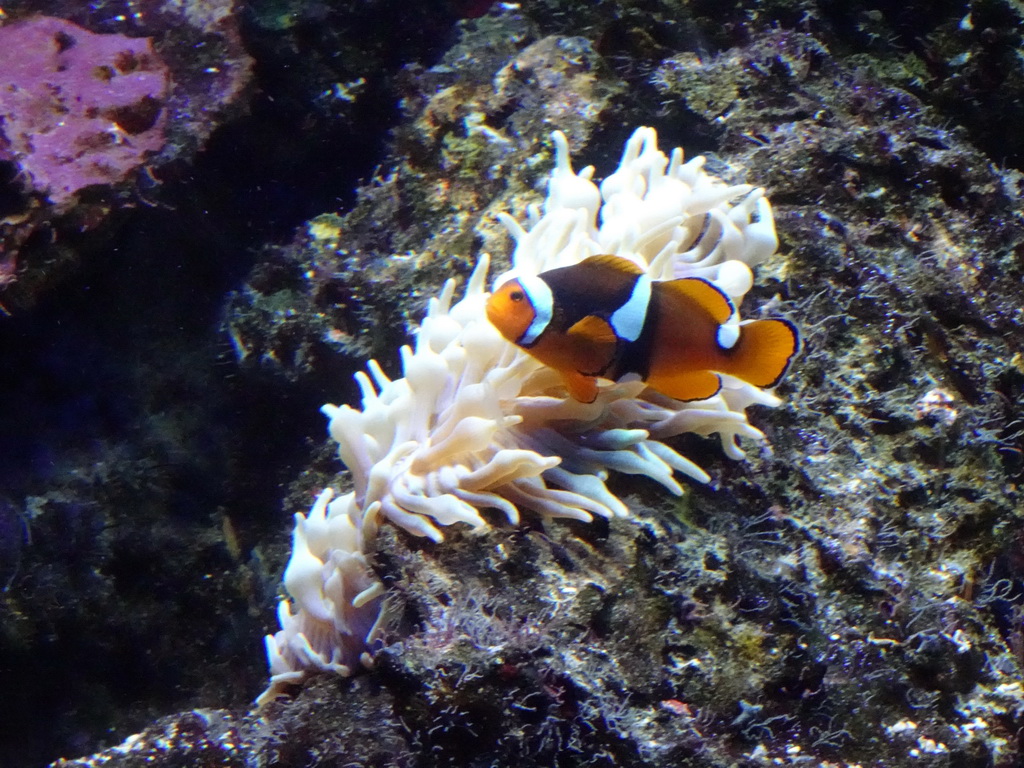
(78, 108)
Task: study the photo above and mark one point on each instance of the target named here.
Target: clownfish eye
(517, 296)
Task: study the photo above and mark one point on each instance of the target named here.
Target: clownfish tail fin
(763, 352)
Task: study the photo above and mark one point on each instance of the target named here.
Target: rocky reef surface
(850, 594)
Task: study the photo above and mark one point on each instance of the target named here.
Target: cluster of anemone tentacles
(476, 423)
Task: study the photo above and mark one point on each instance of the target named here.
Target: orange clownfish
(604, 317)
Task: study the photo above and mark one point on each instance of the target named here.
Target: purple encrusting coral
(78, 108)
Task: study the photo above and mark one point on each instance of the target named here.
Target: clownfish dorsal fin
(686, 385)
(763, 352)
(582, 388)
(593, 343)
(705, 294)
(619, 264)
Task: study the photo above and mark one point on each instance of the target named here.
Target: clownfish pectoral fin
(582, 388)
(705, 294)
(763, 352)
(595, 330)
(688, 385)
(593, 343)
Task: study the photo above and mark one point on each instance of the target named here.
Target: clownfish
(604, 317)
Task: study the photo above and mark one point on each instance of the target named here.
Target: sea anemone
(475, 423)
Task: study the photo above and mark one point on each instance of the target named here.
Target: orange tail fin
(763, 352)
